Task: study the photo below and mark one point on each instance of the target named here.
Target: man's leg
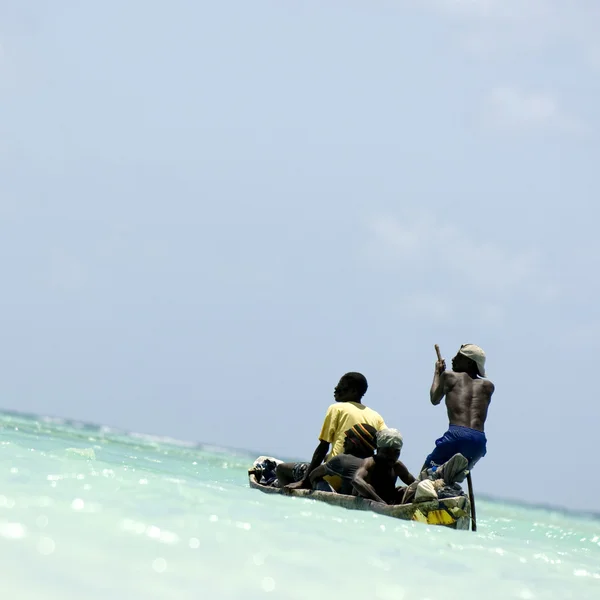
(445, 448)
(453, 470)
(290, 472)
(398, 495)
(323, 486)
(474, 448)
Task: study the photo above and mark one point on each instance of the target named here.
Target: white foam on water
(169, 521)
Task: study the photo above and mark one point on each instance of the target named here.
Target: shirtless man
(376, 477)
(467, 401)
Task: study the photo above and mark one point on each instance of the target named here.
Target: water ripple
(85, 509)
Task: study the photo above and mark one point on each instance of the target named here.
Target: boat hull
(454, 513)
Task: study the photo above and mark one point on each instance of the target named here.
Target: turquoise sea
(90, 512)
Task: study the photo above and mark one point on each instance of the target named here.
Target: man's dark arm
(318, 457)
(317, 474)
(436, 393)
(360, 484)
(404, 474)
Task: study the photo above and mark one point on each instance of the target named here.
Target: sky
(210, 211)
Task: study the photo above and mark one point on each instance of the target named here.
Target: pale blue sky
(211, 211)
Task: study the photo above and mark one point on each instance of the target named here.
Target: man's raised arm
(437, 391)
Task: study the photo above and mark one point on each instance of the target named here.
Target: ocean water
(89, 512)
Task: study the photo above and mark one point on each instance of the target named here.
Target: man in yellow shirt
(346, 412)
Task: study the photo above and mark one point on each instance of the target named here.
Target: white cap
(476, 354)
(389, 438)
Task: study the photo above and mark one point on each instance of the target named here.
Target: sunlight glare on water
(87, 511)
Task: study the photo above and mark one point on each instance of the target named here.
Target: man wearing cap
(337, 473)
(347, 411)
(467, 401)
(376, 477)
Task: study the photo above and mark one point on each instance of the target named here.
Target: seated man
(346, 412)
(468, 397)
(376, 477)
(337, 473)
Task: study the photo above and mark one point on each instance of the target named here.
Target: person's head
(389, 445)
(469, 359)
(351, 388)
(360, 440)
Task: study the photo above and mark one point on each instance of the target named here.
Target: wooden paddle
(469, 480)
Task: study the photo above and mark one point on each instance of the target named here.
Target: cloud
(509, 25)
(511, 11)
(446, 267)
(510, 108)
(523, 34)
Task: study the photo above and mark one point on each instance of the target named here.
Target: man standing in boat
(467, 400)
(346, 412)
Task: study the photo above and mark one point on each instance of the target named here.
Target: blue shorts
(464, 440)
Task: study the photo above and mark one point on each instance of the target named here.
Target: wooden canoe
(454, 512)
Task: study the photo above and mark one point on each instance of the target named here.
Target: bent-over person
(376, 478)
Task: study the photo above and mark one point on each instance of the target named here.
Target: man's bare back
(467, 402)
(467, 399)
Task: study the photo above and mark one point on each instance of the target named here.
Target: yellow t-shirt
(339, 418)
